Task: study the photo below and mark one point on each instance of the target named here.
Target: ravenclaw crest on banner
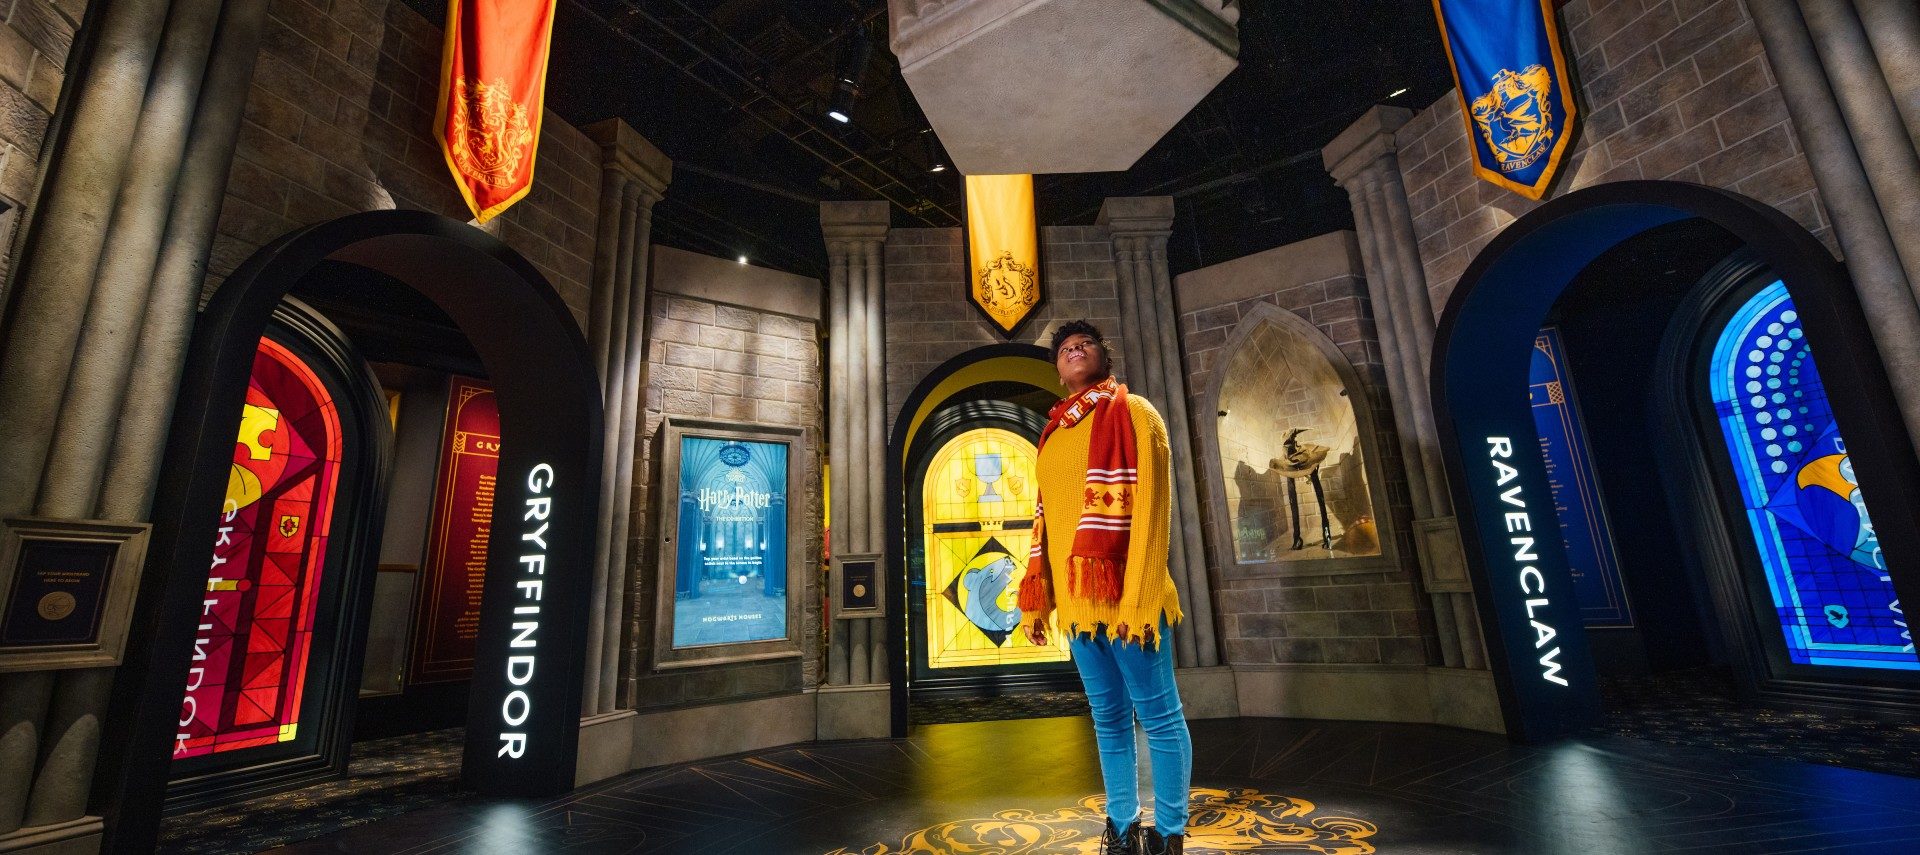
(1516, 118)
(1511, 78)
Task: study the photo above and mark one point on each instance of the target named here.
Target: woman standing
(1100, 559)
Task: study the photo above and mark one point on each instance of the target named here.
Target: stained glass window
(250, 655)
(1833, 598)
(978, 501)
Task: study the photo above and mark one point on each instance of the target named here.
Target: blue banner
(1597, 585)
(1513, 86)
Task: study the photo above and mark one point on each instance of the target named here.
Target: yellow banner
(1003, 243)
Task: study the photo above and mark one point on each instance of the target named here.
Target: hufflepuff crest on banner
(1003, 246)
(1513, 86)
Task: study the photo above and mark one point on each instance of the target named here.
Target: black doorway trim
(550, 415)
(1480, 362)
(896, 511)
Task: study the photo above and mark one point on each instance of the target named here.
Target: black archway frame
(897, 506)
(1479, 378)
(550, 414)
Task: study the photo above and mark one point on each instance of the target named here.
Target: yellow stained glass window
(979, 496)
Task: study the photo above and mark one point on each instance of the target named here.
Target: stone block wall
(710, 358)
(1351, 618)
(339, 121)
(36, 38)
(1674, 90)
(928, 317)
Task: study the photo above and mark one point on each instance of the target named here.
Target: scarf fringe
(1097, 579)
(1036, 592)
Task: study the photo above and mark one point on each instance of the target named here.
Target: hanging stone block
(1040, 86)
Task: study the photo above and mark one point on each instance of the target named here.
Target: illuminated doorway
(970, 524)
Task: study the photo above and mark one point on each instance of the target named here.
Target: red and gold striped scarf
(1098, 562)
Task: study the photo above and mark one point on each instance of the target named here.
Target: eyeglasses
(1082, 347)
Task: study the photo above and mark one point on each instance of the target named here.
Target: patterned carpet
(385, 778)
(1699, 708)
(952, 710)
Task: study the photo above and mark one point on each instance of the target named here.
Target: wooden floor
(1260, 785)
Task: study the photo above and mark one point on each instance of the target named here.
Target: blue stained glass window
(1831, 593)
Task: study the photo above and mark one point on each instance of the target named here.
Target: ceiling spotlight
(743, 259)
(854, 57)
(1398, 92)
(938, 167)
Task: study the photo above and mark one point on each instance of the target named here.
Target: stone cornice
(1137, 216)
(623, 148)
(849, 221)
(1365, 142)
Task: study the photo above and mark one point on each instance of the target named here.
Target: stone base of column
(74, 837)
(606, 747)
(855, 712)
(1208, 692)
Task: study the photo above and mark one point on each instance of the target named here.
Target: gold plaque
(56, 606)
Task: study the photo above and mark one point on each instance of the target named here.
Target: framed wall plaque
(66, 591)
(731, 534)
(858, 586)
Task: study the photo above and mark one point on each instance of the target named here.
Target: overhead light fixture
(938, 167)
(743, 259)
(1398, 92)
(846, 86)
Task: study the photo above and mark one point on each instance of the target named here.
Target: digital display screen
(1832, 595)
(730, 577)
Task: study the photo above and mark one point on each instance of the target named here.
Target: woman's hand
(1037, 632)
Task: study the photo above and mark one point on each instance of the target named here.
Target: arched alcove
(1483, 348)
(524, 716)
(1317, 505)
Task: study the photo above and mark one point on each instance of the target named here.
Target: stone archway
(1534, 634)
(523, 722)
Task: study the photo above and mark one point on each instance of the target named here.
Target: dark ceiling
(736, 92)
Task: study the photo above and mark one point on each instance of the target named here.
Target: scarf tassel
(1096, 578)
(1036, 592)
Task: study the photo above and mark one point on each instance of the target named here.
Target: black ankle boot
(1173, 844)
(1117, 842)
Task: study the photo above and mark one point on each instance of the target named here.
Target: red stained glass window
(251, 652)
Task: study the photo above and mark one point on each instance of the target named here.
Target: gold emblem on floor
(1235, 819)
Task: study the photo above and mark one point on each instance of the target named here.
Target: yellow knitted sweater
(1147, 594)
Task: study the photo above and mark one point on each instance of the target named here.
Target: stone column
(1364, 160)
(1852, 116)
(1149, 338)
(856, 232)
(634, 175)
(105, 287)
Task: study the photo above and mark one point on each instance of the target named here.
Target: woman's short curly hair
(1080, 327)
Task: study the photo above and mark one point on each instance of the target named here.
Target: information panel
(1597, 585)
(455, 569)
(730, 580)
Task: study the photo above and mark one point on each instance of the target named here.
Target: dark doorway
(1622, 285)
(525, 694)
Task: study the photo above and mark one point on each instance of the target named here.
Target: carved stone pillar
(1149, 339)
(1364, 160)
(1853, 95)
(634, 175)
(105, 288)
(856, 232)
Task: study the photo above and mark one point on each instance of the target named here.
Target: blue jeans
(1123, 680)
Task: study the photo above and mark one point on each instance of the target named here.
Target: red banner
(456, 565)
(493, 79)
